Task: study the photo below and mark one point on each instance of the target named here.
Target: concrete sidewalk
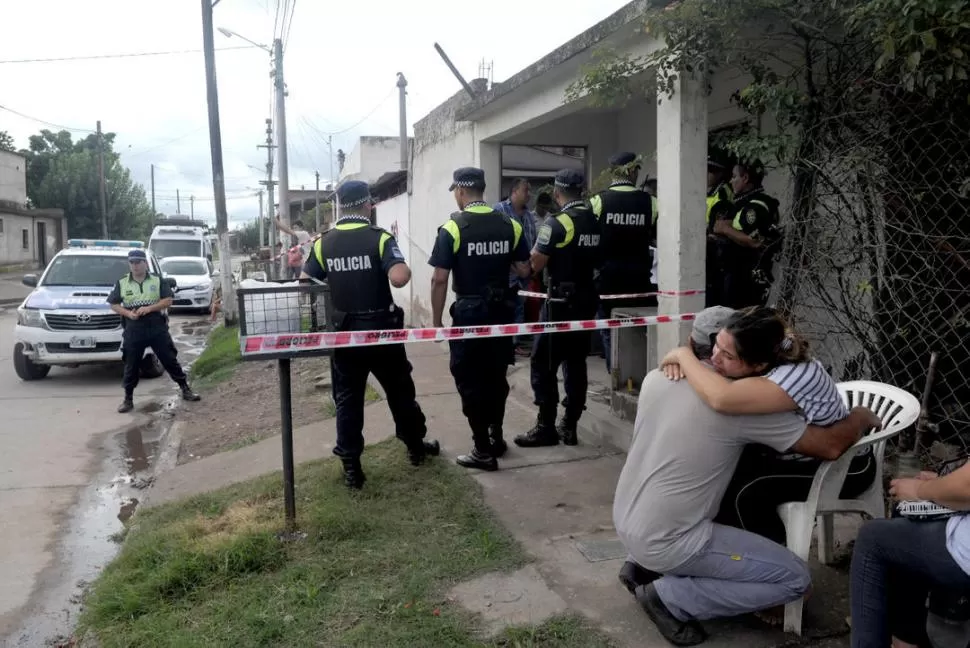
(556, 501)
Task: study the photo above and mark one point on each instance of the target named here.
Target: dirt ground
(246, 408)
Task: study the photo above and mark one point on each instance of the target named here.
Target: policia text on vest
(358, 260)
(477, 246)
(141, 299)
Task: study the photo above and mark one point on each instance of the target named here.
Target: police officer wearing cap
(141, 299)
(479, 245)
(568, 244)
(357, 260)
(627, 218)
(754, 237)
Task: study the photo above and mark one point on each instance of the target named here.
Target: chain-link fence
(876, 265)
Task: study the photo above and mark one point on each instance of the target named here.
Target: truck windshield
(86, 270)
(176, 247)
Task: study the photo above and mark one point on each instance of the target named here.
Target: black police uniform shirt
(756, 214)
(153, 318)
(628, 219)
(571, 240)
(355, 258)
(479, 245)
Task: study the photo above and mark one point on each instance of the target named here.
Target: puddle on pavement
(89, 534)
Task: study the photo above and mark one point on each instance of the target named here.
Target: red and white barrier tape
(662, 293)
(251, 345)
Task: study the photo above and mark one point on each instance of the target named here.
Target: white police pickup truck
(66, 320)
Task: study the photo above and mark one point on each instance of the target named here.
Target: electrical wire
(289, 26)
(126, 55)
(43, 121)
(362, 120)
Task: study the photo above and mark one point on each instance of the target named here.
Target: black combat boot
(542, 434)
(497, 437)
(481, 455)
(567, 430)
(353, 473)
(422, 449)
(188, 394)
(633, 575)
(126, 405)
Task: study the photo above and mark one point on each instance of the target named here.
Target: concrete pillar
(489, 159)
(681, 181)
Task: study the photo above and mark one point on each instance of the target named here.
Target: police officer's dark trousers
(349, 369)
(138, 337)
(569, 350)
(480, 366)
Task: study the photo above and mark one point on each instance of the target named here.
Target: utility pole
(402, 84)
(178, 203)
(101, 192)
(154, 213)
(316, 197)
(229, 308)
(335, 208)
(192, 207)
(268, 182)
(284, 170)
(259, 219)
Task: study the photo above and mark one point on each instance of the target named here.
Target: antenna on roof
(454, 70)
(485, 71)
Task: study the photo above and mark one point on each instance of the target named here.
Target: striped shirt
(813, 390)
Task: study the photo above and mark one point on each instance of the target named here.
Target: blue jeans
(519, 319)
(736, 573)
(895, 563)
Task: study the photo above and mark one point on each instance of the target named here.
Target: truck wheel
(151, 367)
(25, 367)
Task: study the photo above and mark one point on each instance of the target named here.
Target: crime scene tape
(663, 293)
(298, 246)
(275, 343)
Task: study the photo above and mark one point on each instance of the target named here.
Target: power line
(126, 55)
(162, 145)
(289, 26)
(365, 118)
(43, 121)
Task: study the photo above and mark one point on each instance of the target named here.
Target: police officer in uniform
(141, 299)
(357, 260)
(568, 243)
(754, 237)
(479, 245)
(627, 218)
(719, 207)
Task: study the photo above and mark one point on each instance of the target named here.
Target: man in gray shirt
(684, 568)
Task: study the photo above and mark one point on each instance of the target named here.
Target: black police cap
(622, 159)
(353, 193)
(468, 177)
(569, 179)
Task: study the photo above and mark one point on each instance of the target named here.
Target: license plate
(82, 343)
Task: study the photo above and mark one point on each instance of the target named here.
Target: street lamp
(283, 159)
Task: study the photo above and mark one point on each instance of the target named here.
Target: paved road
(66, 468)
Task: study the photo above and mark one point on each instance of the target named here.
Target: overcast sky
(341, 61)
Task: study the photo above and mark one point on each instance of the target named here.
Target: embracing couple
(733, 425)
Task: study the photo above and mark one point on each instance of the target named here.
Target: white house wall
(13, 178)
(393, 215)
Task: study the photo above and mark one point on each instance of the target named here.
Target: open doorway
(539, 164)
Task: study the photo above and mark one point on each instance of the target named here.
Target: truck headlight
(30, 317)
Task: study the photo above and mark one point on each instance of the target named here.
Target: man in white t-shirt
(302, 239)
(684, 568)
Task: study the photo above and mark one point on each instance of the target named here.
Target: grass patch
(219, 359)
(372, 571)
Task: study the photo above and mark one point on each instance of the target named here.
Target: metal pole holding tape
(286, 428)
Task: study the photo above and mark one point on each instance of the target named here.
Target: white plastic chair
(898, 410)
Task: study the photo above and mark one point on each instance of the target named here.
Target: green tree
(63, 173)
(6, 142)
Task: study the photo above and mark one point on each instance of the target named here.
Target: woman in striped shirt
(761, 367)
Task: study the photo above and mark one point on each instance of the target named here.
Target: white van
(180, 241)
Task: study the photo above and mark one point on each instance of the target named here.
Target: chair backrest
(896, 408)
